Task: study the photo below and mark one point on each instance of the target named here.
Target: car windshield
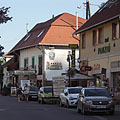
(33, 88)
(96, 92)
(74, 90)
(47, 90)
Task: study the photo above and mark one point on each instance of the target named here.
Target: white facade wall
(29, 53)
(60, 57)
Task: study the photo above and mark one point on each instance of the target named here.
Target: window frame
(26, 65)
(40, 64)
(83, 40)
(33, 62)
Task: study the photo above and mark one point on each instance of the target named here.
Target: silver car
(69, 96)
(95, 100)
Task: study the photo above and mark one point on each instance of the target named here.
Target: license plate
(34, 96)
(101, 106)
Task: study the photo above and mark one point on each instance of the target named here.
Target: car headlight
(89, 102)
(71, 98)
(110, 101)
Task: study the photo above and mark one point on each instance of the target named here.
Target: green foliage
(4, 15)
(71, 72)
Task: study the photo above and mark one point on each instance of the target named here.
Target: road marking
(2, 109)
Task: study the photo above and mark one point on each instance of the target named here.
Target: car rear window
(96, 92)
(47, 90)
(74, 90)
(32, 88)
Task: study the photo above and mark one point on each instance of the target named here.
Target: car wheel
(83, 110)
(42, 101)
(39, 101)
(67, 104)
(61, 105)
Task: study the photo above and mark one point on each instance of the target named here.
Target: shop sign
(51, 55)
(82, 66)
(73, 57)
(24, 72)
(13, 91)
(96, 67)
(115, 64)
(73, 47)
(54, 66)
(105, 49)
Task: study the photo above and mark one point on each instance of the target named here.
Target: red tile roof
(109, 11)
(56, 31)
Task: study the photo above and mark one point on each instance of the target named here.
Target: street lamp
(69, 58)
(77, 17)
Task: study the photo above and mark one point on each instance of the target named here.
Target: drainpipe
(79, 46)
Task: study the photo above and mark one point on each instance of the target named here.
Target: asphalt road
(10, 109)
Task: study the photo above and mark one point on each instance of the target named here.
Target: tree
(4, 15)
(1, 53)
(1, 68)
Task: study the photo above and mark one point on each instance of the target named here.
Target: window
(26, 63)
(100, 35)
(83, 41)
(40, 33)
(40, 65)
(28, 36)
(115, 31)
(94, 37)
(33, 62)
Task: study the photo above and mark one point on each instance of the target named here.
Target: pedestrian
(26, 92)
(19, 93)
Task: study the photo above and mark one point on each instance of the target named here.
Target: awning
(24, 72)
(79, 76)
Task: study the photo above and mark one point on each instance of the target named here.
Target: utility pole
(88, 13)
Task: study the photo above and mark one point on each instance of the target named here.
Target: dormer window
(40, 33)
(28, 36)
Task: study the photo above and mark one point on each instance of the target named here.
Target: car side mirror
(66, 93)
(41, 91)
(112, 95)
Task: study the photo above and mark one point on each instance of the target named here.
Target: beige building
(100, 46)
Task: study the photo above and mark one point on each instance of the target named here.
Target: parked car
(69, 96)
(45, 95)
(95, 100)
(33, 93)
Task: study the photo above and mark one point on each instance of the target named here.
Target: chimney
(52, 16)
(27, 28)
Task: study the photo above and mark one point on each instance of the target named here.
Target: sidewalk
(117, 108)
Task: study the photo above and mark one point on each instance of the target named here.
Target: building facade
(43, 51)
(100, 46)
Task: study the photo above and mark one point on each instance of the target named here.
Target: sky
(32, 12)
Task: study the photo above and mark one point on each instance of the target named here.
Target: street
(10, 109)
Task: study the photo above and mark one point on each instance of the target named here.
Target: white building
(43, 51)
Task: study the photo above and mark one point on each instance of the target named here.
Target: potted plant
(71, 72)
(4, 91)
